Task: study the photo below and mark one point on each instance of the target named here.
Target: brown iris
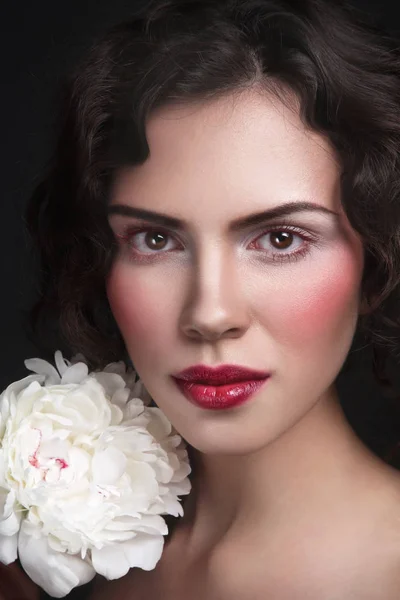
(155, 240)
(287, 238)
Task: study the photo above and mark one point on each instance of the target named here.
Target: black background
(38, 42)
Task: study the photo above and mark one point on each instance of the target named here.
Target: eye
(281, 239)
(151, 240)
(147, 241)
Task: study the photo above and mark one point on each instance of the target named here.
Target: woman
(223, 207)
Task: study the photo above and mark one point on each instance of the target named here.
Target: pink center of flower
(34, 461)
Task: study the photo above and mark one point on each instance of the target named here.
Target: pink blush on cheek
(323, 308)
(135, 310)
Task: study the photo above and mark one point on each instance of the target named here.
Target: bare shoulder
(355, 554)
(293, 575)
(350, 551)
(389, 585)
(385, 558)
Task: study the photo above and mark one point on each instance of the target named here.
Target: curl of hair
(345, 74)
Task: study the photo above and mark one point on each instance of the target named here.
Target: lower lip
(218, 397)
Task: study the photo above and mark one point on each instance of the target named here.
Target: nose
(216, 306)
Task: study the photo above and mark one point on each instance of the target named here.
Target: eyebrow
(281, 210)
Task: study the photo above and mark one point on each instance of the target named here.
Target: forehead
(247, 146)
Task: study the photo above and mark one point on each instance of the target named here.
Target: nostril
(233, 332)
(210, 334)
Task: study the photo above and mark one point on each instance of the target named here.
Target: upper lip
(220, 375)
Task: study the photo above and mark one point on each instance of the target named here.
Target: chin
(209, 439)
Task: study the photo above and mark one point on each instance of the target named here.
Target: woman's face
(279, 295)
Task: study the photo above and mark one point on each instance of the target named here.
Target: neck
(314, 465)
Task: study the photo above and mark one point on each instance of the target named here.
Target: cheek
(135, 307)
(315, 308)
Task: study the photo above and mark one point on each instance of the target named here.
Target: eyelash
(282, 258)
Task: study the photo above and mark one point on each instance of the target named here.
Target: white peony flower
(87, 468)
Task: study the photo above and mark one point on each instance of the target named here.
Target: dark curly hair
(345, 73)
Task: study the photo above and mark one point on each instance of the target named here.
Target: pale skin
(288, 503)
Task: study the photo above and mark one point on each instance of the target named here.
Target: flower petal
(8, 548)
(2, 472)
(62, 363)
(159, 426)
(108, 466)
(9, 519)
(42, 367)
(10, 525)
(141, 392)
(57, 573)
(114, 561)
(111, 382)
(152, 524)
(5, 503)
(75, 374)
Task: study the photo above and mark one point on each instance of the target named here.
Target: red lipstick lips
(219, 387)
